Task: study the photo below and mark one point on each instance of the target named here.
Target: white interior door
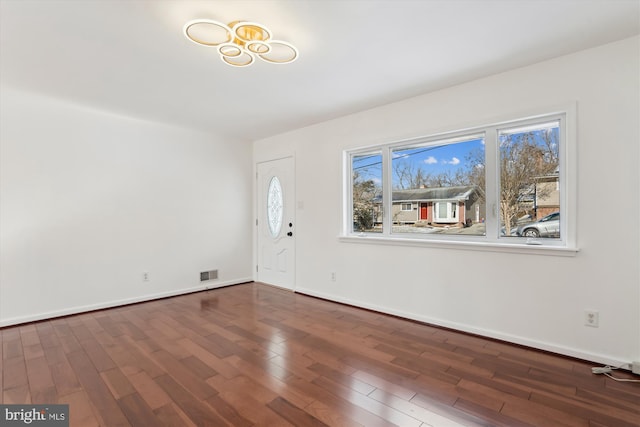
(276, 223)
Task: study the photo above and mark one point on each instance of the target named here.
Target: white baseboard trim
(541, 345)
(100, 306)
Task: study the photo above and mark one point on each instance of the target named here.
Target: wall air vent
(208, 275)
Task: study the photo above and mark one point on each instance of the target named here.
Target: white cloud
(453, 161)
(430, 160)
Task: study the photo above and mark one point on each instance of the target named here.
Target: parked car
(548, 226)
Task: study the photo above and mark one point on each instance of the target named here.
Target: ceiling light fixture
(240, 42)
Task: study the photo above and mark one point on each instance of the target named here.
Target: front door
(275, 222)
(423, 211)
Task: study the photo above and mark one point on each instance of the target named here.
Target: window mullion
(387, 191)
(492, 184)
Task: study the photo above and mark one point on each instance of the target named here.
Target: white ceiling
(130, 56)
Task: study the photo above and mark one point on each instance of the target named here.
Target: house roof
(430, 194)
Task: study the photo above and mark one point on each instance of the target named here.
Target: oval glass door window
(274, 206)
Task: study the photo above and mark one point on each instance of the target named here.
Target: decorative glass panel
(274, 206)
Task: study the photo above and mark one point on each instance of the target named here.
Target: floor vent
(208, 275)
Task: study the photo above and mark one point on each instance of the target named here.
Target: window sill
(518, 248)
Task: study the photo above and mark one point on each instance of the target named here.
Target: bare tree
(448, 179)
(522, 161)
(364, 194)
(409, 176)
(551, 152)
(475, 173)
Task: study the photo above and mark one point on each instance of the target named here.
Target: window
(529, 176)
(442, 175)
(446, 212)
(502, 185)
(366, 192)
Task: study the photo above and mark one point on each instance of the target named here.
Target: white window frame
(451, 208)
(403, 204)
(348, 217)
(566, 245)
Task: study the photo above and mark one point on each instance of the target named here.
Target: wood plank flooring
(252, 354)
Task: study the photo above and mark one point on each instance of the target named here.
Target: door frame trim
(254, 220)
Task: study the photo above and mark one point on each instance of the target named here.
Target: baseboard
(116, 303)
(535, 344)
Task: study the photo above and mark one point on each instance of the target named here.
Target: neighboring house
(443, 205)
(547, 198)
(543, 197)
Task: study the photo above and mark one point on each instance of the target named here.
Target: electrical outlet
(591, 318)
(635, 367)
(333, 276)
(145, 276)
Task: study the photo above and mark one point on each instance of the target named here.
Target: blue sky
(438, 159)
(432, 159)
(449, 157)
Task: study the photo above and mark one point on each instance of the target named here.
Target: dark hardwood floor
(256, 355)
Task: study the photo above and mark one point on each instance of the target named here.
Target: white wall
(90, 200)
(535, 300)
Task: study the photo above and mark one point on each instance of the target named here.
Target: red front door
(423, 211)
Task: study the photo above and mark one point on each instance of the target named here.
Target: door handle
(290, 234)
